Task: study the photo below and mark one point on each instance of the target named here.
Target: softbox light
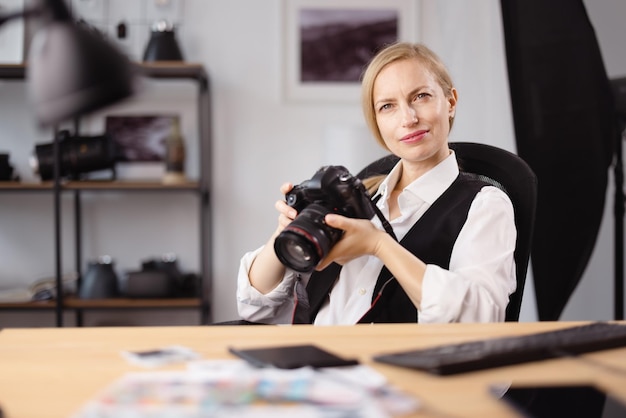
(71, 69)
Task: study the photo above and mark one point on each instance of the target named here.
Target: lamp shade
(163, 45)
(72, 70)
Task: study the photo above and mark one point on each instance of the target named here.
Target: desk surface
(52, 372)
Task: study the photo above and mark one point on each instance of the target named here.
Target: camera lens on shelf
(78, 155)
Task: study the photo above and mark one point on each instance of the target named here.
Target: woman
(454, 259)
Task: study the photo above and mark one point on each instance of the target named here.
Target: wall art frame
(140, 143)
(327, 43)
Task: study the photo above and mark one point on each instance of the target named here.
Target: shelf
(119, 185)
(161, 71)
(12, 71)
(129, 185)
(172, 69)
(114, 303)
(44, 304)
(166, 69)
(16, 186)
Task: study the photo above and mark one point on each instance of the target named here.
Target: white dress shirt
(475, 288)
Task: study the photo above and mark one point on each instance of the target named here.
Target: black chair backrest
(510, 173)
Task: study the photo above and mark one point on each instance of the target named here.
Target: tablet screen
(291, 357)
(564, 401)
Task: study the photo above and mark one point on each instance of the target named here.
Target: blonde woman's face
(413, 113)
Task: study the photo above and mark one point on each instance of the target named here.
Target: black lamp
(72, 70)
(162, 45)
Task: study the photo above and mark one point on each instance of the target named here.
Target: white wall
(262, 140)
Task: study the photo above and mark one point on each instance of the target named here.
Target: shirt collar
(427, 187)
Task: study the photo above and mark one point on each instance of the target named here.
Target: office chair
(506, 171)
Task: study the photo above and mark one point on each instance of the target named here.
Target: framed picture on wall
(140, 143)
(328, 43)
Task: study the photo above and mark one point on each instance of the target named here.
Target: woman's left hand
(360, 237)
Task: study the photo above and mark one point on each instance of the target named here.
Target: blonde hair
(373, 183)
(398, 52)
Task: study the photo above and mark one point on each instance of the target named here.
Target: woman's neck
(411, 171)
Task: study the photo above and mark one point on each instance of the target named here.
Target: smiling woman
(403, 84)
(443, 246)
(412, 109)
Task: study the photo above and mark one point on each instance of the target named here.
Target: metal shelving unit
(163, 71)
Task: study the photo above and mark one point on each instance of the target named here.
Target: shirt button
(362, 291)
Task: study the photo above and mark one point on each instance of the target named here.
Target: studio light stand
(619, 93)
(618, 210)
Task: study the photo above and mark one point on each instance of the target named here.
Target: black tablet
(549, 401)
(292, 357)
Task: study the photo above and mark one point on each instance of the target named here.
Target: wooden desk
(52, 372)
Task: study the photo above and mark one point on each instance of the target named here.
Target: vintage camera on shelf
(159, 278)
(307, 239)
(78, 155)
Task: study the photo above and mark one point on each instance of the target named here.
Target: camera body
(159, 278)
(307, 239)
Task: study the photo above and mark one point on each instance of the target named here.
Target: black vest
(431, 239)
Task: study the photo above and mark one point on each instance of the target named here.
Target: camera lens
(305, 241)
(296, 251)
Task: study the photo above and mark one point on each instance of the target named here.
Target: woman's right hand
(286, 213)
(266, 270)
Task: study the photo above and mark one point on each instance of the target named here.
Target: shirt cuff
(440, 301)
(256, 306)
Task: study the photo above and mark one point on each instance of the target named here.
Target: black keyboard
(488, 353)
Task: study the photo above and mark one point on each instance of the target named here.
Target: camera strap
(382, 218)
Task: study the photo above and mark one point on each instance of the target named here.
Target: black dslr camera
(307, 239)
